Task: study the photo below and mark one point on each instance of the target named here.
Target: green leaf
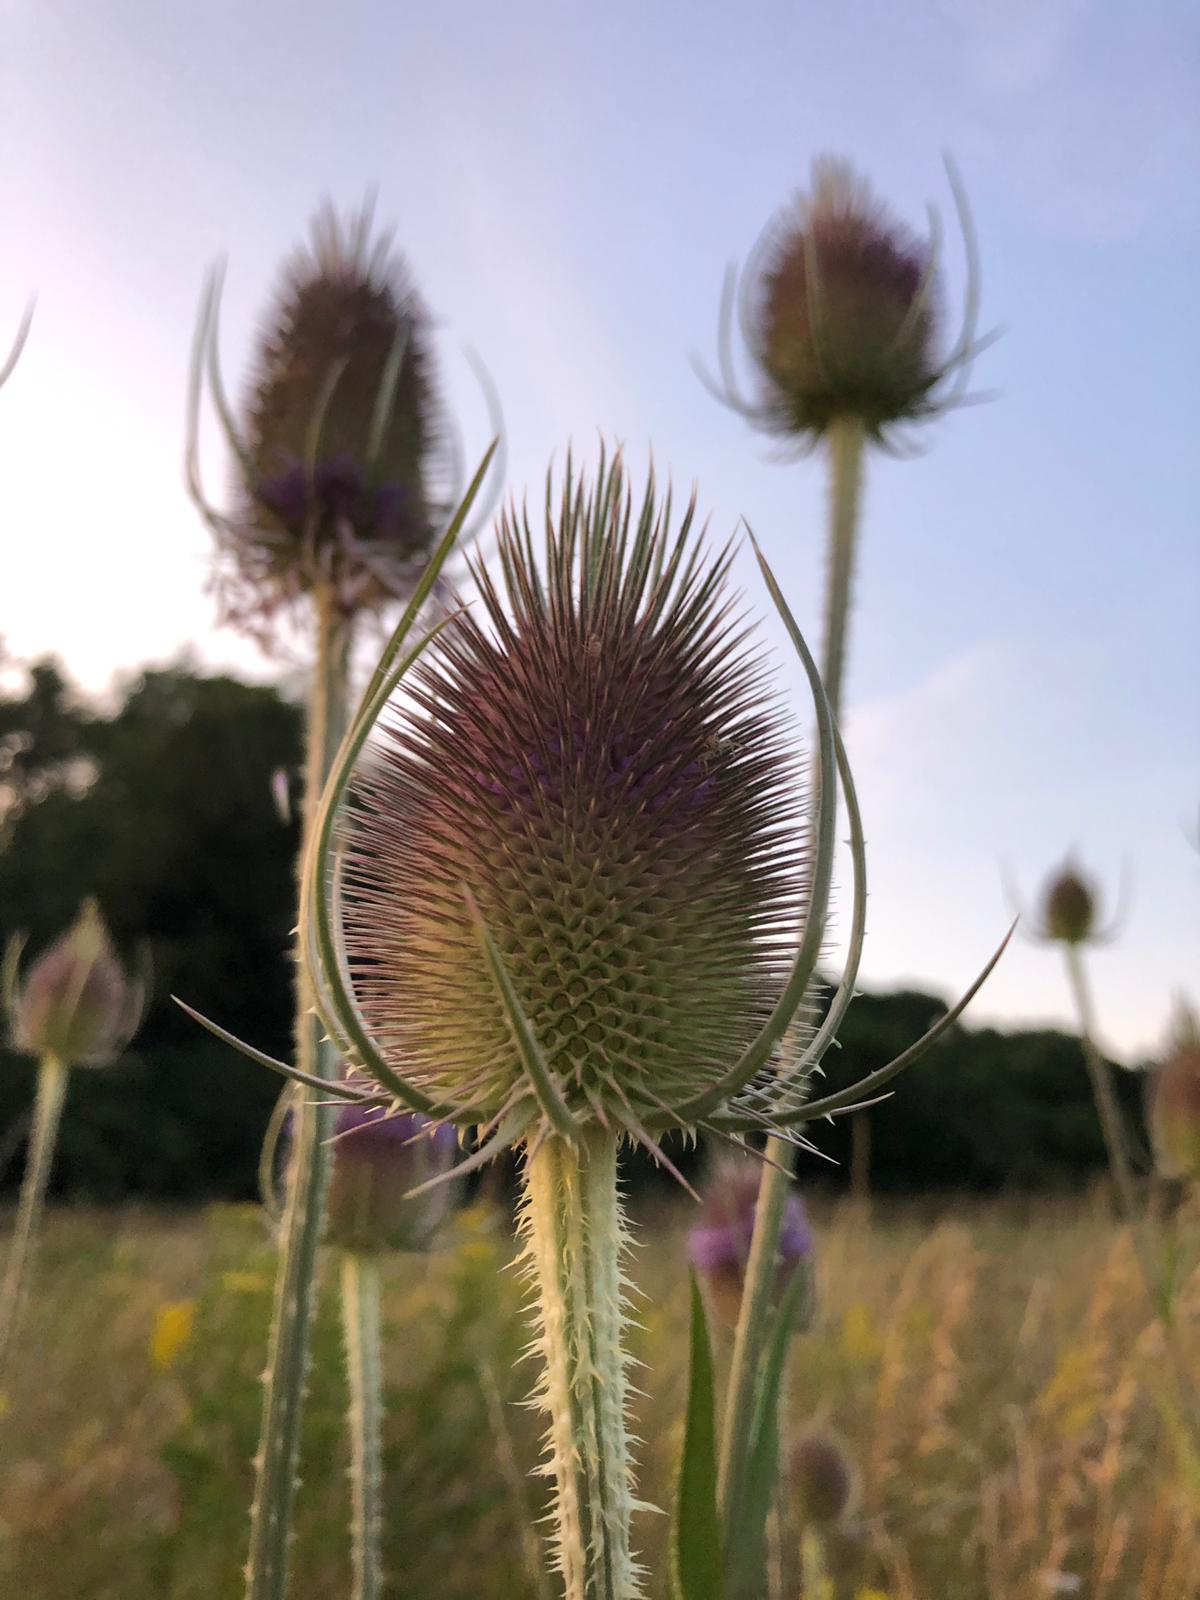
(747, 1533)
(696, 1553)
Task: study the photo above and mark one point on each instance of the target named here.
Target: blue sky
(568, 184)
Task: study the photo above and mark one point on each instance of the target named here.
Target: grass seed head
(1174, 1111)
(589, 759)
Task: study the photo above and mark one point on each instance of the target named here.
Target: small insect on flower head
(378, 1160)
(342, 444)
(1174, 1109)
(841, 311)
(76, 1003)
(719, 1244)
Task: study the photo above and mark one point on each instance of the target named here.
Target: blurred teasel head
(1174, 1108)
(76, 1002)
(378, 1160)
(822, 1478)
(842, 310)
(1069, 907)
(719, 1243)
(344, 454)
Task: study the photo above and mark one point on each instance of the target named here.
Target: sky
(568, 184)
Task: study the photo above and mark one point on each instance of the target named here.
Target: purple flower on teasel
(719, 1244)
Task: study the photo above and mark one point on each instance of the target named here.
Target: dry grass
(993, 1372)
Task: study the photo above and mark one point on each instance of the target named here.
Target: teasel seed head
(839, 328)
(76, 1002)
(719, 1243)
(822, 1478)
(841, 310)
(343, 447)
(590, 767)
(1174, 1110)
(378, 1160)
(1068, 908)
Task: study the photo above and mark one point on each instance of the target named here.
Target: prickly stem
(300, 1229)
(48, 1104)
(847, 438)
(364, 1372)
(575, 1238)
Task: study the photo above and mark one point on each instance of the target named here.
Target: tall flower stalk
(76, 1007)
(376, 1160)
(840, 310)
(578, 904)
(344, 467)
(1069, 917)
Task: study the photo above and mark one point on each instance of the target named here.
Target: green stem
(847, 438)
(812, 1558)
(1186, 1420)
(47, 1111)
(288, 1359)
(574, 1241)
(364, 1371)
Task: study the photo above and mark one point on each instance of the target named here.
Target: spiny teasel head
(591, 786)
(1174, 1109)
(378, 1160)
(842, 308)
(719, 1243)
(76, 1002)
(821, 1477)
(342, 445)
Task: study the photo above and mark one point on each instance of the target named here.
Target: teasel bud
(841, 309)
(76, 1003)
(1174, 1111)
(1068, 908)
(822, 1479)
(719, 1244)
(343, 447)
(377, 1160)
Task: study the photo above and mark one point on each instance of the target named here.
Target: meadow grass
(989, 1364)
